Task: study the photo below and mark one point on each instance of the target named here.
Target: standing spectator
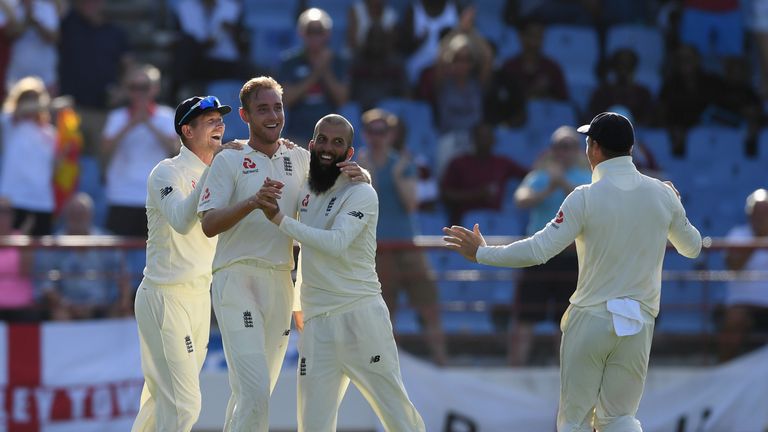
(377, 72)
(542, 292)
(87, 35)
(424, 24)
(363, 15)
(82, 283)
(136, 137)
(394, 177)
(315, 78)
(622, 89)
(477, 180)
(29, 155)
(35, 37)
(714, 27)
(209, 47)
(16, 293)
(686, 92)
(542, 76)
(746, 302)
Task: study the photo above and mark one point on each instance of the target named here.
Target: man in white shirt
(252, 291)
(621, 223)
(746, 301)
(173, 305)
(347, 331)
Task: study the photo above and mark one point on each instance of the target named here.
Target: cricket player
(252, 291)
(173, 306)
(621, 223)
(347, 331)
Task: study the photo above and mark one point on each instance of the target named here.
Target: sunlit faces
(265, 116)
(207, 129)
(331, 145)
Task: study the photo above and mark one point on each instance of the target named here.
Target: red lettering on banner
(23, 375)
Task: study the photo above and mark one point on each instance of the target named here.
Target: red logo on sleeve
(560, 217)
(305, 201)
(248, 163)
(194, 183)
(206, 194)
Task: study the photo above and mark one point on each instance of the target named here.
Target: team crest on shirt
(287, 166)
(559, 218)
(205, 196)
(249, 166)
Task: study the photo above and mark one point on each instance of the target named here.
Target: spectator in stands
(581, 12)
(542, 76)
(423, 25)
(715, 28)
(16, 294)
(377, 72)
(686, 92)
(86, 35)
(364, 15)
(477, 180)
(746, 302)
(36, 30)
(394, 177)
(738, 103)
(210, 46)
(82, 283)
(136, 137)
(314, 78)
(543, 291)
(622, 89)
(29, 155)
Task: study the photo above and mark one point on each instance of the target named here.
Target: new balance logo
(287, 332)
(248, 319)
(356, 214)
(375, 359)
(164, 192)
(303, 367)
(330, 206)
(188, 342)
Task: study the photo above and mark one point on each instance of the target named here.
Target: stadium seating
(576, 49)
(648, 43)
(228, 92)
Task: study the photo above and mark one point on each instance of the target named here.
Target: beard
(323, 177)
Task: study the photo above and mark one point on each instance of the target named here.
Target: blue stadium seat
(517, 145)
(91, 183)
(421, 137)
(270, 40)
(683, 308)
(648, 44)
(228, 92)
(762, 146)
(430, 223)
(576, 50)
(546, 115)
(509, 46)
(471, 322)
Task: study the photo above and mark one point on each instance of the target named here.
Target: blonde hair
(23, 88)
(254, 85)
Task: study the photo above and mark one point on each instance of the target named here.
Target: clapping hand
(266, 198)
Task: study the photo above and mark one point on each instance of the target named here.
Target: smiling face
(331, 144)
(264, 115)
(205, 131)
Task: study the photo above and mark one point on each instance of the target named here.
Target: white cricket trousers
(357, 344)
(602, 375)
(174, 325)
(253, 307)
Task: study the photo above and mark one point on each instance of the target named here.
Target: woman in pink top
(15, 263)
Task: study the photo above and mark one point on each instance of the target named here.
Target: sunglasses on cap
(203, 104)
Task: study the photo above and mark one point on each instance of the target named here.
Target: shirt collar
(612, 166)
(281, 148)
(187, 156)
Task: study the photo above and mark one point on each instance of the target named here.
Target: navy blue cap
(611, 130)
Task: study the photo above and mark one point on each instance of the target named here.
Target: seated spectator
(542, 77)
(364, 15)
(27, 135)
(314, 78)
(686, 92)
(82, 283)
(622, 89)
(210, 46)
(543, 291)
(377, 72)
(477, 180)
(16, 294)
(136, 137)
(393, 175)
(746, 302)
(36, 31)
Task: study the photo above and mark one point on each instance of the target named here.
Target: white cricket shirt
(337, 233)
(621, 223)
(238, 174)
(177, 249)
